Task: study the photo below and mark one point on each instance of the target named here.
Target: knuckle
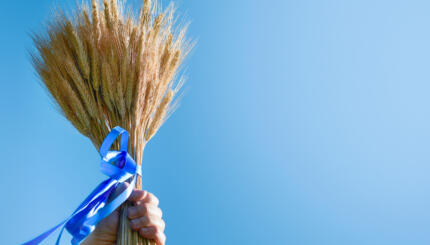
(152, 198)
(143, 210)
(163, 224)
(156, 201)
(163, 238)
(160, 238)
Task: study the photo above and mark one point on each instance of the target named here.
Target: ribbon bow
(119, 166)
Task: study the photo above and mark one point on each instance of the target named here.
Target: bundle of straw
(104, 67)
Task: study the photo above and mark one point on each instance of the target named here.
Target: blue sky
(304, 122)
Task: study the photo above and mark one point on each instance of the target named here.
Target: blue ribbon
(119, 166)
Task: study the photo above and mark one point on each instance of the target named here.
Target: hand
(145, 217)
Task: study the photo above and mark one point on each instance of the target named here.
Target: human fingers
(144, 209)
(142, 196)
(153, 233)
(148, 221)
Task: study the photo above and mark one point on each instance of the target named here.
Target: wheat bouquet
(110, 69)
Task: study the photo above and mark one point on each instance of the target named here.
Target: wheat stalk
(105, 67)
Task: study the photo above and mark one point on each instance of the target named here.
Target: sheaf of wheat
(106, 66)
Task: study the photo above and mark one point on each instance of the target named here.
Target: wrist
(93, 239)
(89, 240)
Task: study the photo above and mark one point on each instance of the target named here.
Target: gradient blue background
(304, 122)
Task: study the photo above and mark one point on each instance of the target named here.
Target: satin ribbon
(119, 166)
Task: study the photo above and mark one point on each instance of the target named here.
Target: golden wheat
(105, 67)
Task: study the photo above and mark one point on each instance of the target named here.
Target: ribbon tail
(76, 225)
(59, 236)
(99, 190)
(43, 236)
(114, 204)
(119, 166)
(103, 187)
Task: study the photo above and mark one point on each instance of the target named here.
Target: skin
(145, 217)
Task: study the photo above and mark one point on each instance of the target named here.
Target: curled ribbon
(119, 166)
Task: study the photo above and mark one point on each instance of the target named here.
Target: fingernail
(144, 230)
(133, 224)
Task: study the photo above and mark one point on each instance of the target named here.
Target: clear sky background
(304, 122)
